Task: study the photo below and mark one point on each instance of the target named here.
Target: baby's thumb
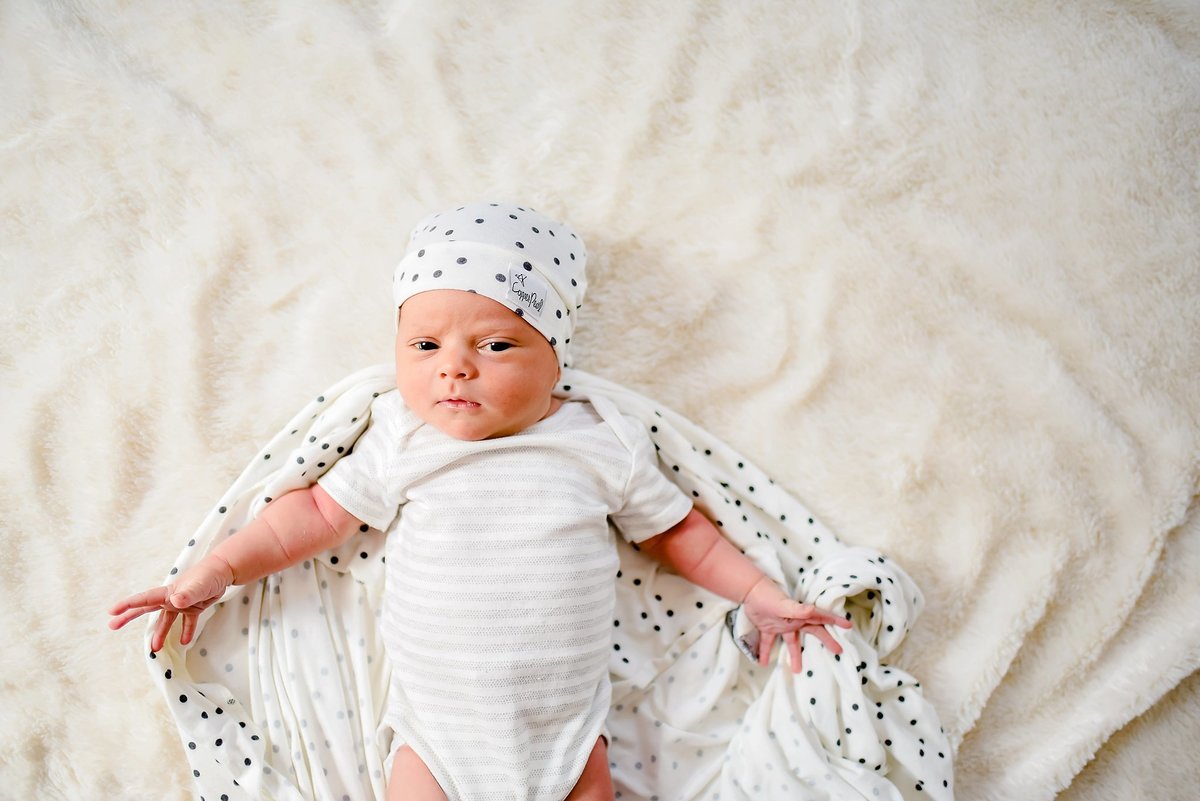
(182, 597)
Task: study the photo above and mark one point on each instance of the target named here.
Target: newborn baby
(500, 574)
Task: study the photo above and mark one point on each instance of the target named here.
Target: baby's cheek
(408, 383)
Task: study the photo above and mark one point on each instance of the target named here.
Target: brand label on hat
(527, 290)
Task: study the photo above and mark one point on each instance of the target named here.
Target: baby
(499, 591)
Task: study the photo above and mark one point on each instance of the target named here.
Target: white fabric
(498, 610)
(296, 666)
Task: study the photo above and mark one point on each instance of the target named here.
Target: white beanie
(514, 255)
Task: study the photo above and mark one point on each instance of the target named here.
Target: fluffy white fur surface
(936, 265)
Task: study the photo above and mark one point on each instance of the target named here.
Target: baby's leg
(595, 784)
(411, 780)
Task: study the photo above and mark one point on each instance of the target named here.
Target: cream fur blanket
(933, 264)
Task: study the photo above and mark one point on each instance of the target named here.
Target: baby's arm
(694, 549)
(297, 525)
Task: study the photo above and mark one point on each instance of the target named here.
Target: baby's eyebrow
(506, 327)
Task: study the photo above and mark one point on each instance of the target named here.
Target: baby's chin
(466, 428)
(465, 434)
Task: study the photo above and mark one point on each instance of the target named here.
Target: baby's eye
(425, 345)
(497, 347)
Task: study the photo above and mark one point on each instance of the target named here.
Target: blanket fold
(281, 693)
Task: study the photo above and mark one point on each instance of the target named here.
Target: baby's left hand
(774, 614)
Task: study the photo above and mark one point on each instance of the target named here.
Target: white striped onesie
(500, 585)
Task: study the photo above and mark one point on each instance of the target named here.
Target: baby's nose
(456, 365)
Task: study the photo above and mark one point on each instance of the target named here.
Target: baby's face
(470, 367)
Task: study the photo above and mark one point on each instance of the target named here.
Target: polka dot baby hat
(512, 254)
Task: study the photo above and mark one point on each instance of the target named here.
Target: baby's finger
(765, 643)
(165, 621)
(824, 618)
(826, 638)
(841, 621)
(792, 638)
(180, 599)
(189, 629)
(131, 614)
(149, 599)
(813, 615)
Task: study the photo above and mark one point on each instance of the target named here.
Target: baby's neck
(555, 405)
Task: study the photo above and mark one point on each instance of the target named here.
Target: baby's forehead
(446, 309)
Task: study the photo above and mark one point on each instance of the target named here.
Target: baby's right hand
(196, 589)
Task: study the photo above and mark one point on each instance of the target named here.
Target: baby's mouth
(458, 403)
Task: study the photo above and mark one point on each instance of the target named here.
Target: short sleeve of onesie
(653, 503)
(359, 481)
